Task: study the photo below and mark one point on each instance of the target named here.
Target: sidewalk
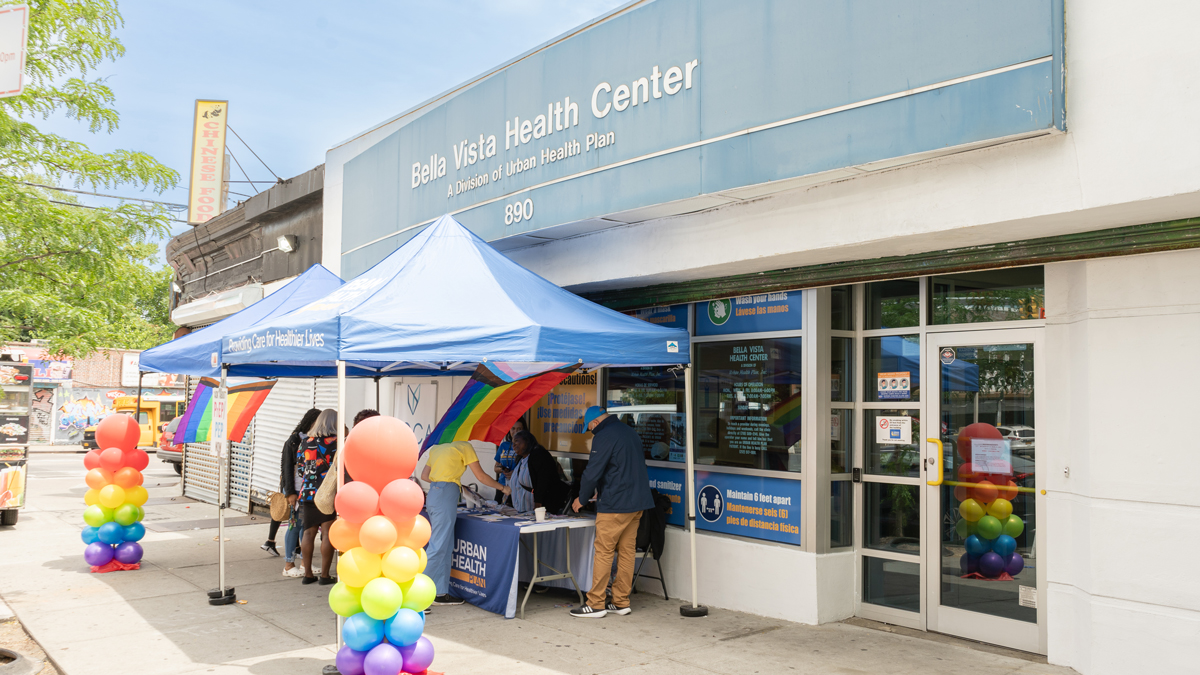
(157, 620)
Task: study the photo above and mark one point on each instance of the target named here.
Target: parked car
(1020, 438)
(169, 451)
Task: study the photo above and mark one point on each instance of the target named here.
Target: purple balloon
(98, 554)
(991, 564)
(128, 553)
(418, 656)
(383, 659)
(967, 564)
(1014, 565)
(350, 662)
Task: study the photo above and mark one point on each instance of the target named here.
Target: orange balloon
(343, 534)
(356, 501)
(98, 478)
(112, 459)
(1009, 493)
(401, 499)
(379, 450)
(960, 493)
(414, 533)
(377, 534)
(985, 493)
(118, 431)
(128, 477)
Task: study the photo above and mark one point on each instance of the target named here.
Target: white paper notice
(893, 430)
(991, 455)
(1028, 596)
(217, 434)
(835, 427)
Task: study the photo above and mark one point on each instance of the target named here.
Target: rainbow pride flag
(243, 402)
(496, 396)
(787, 414)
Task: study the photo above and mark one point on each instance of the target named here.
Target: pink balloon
(356, 501)
(379, 450)
(112, 459)
(118, 431)
(401, 499)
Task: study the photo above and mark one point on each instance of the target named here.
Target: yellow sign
(205, 199)
(557, 419)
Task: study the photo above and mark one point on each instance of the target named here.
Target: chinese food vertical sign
(205, 198)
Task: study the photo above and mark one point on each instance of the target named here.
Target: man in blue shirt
(617, 469)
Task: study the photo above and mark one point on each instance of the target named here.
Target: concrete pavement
(157, 619)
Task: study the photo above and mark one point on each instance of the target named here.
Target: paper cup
(539, 514)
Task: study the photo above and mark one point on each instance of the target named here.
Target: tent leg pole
(695, 609)
(221, 595)
(341, 465)
(137, 411)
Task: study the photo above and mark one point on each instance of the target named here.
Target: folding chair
(642, 557)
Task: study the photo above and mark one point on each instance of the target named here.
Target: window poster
(557, 418)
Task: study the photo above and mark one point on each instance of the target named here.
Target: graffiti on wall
(79, 411)
(41, 414)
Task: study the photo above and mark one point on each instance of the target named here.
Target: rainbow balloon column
(115, 498)
(988, 524)
(381, 590)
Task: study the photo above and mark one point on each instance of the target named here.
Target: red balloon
(112, 459)
(355, 501)
(91, 460)
(137, 459)
(960, 493)
(127, 477)
(966, 473)
(976, 430)
(401, 499)
(118, 431)
(379, 450)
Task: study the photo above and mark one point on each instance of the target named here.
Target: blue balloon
(112, 533)
(135, 532)
(90, 535)
(967, 564)
(404, 628)
(976, 546)
(361, 633)
(1004, 546)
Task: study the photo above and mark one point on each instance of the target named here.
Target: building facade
(983, 216)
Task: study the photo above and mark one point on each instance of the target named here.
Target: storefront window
(893, 517)
(892, 583)
(993, 295)
(841, 439)
(893, 371)
(841, 309)
(892, 442)
(893, 304)
(841, 514)
(841, 365)
(651, 401)
(748, 404)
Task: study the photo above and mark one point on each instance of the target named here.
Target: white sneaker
(297, 571)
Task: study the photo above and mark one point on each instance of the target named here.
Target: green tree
(81, 278)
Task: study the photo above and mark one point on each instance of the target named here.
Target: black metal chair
(642, 556)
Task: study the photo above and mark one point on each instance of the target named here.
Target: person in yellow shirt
(443, 471)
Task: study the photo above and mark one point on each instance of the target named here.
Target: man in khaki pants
(617, 469)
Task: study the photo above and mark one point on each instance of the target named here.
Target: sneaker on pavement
(613, 609)
(586, 612)
(269, 547)
(447, 599)
(294, 573)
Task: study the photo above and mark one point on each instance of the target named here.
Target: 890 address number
(518, 211)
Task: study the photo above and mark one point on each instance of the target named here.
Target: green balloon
(141, 513)
(1013, 526)
(96, 515)
(381, 597)
(344, 600)
(126, 515)
(964, 528)
(419, 593)
(989, 527)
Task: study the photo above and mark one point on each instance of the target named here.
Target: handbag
(323, 500)
(279, 507)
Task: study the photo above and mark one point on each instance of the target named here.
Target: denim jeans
(442, 506)
(291, 540)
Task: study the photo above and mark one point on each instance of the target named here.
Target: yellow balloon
(424, 560)
(112, 496)
(91, 497)
(358, 566)
(970, 510)
(1000, 508)
(136, 495)
(400, 564)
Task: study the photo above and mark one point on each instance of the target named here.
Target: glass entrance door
(985, 576)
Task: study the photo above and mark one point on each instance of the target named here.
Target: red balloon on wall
(379, 450)
(118, 431)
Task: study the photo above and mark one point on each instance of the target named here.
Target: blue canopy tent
(443, 303)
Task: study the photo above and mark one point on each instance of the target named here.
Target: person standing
(314, 459)
(443, 471)
(539, 474)
(287, 486)
(617, 470)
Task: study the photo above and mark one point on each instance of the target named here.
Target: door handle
(940, 465)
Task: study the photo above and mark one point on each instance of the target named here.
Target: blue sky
(302, 75)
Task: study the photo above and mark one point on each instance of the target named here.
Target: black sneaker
(586, 612)
(613, 609)
(327, 581)
(447, 599)
(269, 547)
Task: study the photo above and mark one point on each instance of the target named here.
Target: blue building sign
(676, 99)
(671, 483)
(671, 316)
(750, 314)
(749, 506)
